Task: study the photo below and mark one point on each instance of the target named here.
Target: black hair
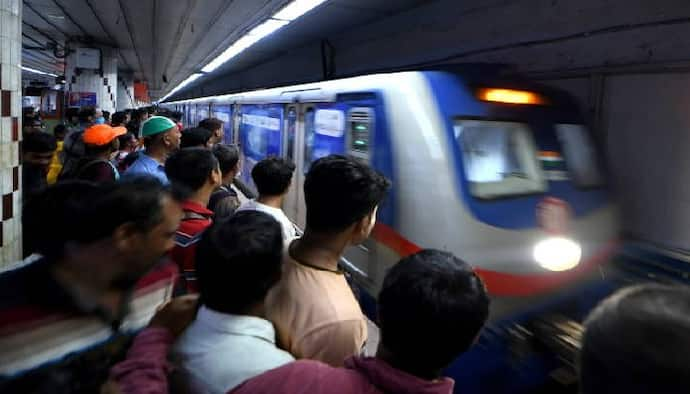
(139, 113)
(151, 110)
(125, 139)
(71, 112)
(340, 191)
(272, 176)
(106, 115)
(176, 116)
(91, 150)
(84, 212)
(188, 169)
(238, 260)
(211, 124)
(118, 118)
(38, 142)
(85, 113)
(636, 341)
(195, 137)
(228, 156)
(60, 130)
(436, 296)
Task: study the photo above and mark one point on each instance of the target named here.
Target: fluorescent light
(296, 9)
(182, 84)
(267, 28)
(33, 70)
(251, 38)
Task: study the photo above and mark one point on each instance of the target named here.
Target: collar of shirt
(193, 206)
(255, 205)
(237, 324)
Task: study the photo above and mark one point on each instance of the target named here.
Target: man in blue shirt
(161, 138)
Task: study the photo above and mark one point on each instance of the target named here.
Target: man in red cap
(100, 141)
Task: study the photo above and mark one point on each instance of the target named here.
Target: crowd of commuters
(149, 270)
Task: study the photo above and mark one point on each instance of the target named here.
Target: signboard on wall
(82, 99)
(88, 58)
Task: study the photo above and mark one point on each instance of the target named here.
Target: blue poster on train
(324, 132)
(224, 114)
(260, 135)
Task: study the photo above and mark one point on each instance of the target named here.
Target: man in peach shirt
(313, 309)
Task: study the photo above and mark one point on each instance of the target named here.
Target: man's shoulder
(293, 377)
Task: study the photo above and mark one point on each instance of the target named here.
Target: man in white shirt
(237, 263)
(272, 177)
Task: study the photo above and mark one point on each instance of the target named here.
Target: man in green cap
(161, 138)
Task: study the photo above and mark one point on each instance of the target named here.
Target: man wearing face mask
(99, 117)
(68, 315)
(313, 309)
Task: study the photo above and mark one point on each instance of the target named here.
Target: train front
(537, 222)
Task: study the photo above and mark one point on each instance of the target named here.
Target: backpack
(73, 150)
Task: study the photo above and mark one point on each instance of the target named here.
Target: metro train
(502, 173)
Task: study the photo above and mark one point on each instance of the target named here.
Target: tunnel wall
(644, 123)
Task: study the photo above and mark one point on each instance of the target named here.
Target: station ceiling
(162, 42)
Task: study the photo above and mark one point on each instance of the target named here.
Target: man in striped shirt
(66, 317)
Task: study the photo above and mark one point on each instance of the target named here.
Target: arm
(145, 370)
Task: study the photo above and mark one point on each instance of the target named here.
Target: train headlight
(557, 253)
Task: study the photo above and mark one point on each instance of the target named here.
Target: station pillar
(10, 131)
(91, 78)
(125, 91)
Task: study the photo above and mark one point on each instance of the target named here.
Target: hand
(176, 315)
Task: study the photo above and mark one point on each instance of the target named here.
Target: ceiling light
(33, 70)
(296, 9)
(286, 15)
(182, 84)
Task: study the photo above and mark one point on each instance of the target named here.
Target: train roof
(472, 74)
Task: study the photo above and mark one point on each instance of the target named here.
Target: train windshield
(580, 155)
(500, 158)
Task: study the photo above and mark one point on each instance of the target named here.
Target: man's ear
(124, 236)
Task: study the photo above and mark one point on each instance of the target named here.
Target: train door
(318, 133)
(291, 144)
(236, 120)
(359, 133)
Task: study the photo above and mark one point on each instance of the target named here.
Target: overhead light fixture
(249, 39)
(287, 14)
(33, 70)
(296, 9)
(182, 84)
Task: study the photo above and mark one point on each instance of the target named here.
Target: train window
(580, 156)
(500, 158)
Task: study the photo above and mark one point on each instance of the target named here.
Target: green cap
(155, 125)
